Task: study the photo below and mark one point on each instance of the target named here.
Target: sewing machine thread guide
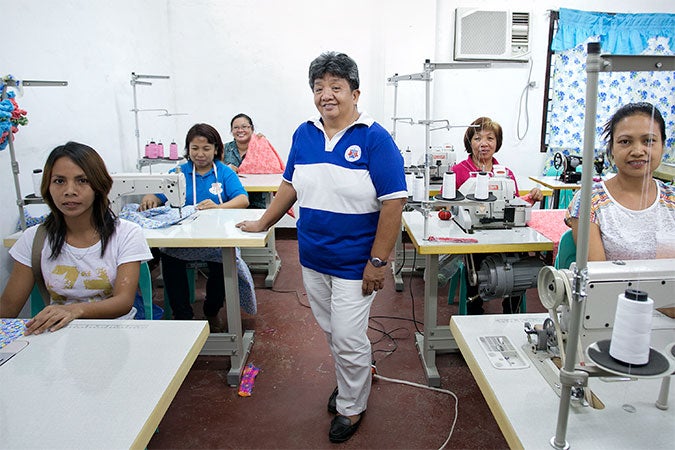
(501, 353)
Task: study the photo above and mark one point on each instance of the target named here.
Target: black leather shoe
(332, 407)
(341, 428)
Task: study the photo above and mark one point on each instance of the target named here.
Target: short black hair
(242, 116)
(337, 64)
(632, 109)
(209, 133)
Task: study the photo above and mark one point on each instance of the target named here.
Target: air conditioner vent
(493, 35)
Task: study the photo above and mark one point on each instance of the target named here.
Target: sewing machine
(568, 165)
(441, 160)
(502, 209)
(172, 185)
(606, 280)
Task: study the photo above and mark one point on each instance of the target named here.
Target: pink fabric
(261, 157)
(550, 223)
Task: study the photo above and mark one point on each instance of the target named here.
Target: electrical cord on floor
(386, 334)
(421, 386)
(400, 267)
(412, 297)
(294, 291)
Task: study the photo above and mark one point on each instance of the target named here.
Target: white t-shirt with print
(81, 274)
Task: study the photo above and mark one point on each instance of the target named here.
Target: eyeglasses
(243, 127)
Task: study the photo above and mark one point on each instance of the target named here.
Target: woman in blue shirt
(209, 184)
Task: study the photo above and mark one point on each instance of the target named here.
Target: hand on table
(534, 196)
(52, 318)
(251, 226)
(207, 204)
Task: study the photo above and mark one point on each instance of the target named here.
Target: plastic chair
(567, 251)
(144, 283)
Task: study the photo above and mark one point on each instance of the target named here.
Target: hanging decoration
(11, 116)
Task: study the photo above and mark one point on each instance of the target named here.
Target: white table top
(553, 182)
(210, 228)
(96, 383)
(526, 407)
(207, 228)
(263, 182)
(516, 239)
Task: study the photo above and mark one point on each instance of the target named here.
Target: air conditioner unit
(495, 35)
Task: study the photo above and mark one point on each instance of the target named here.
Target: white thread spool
(407, 158)
(449, 185)
(482, 184)
(37, 181)
(632, 330)
(409, 182)
(418, 189)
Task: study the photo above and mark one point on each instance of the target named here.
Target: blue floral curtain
(619, 34)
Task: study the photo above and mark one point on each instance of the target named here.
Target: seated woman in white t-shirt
(90, 260)
(632, 209)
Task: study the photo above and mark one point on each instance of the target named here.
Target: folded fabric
(160, 217)
(261, 157)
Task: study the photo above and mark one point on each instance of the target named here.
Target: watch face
(377, 262)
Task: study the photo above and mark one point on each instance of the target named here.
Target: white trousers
(342, 312)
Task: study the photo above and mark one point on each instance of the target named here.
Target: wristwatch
(377, 262)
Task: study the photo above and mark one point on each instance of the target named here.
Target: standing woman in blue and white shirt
(209, 184)
(346, 174)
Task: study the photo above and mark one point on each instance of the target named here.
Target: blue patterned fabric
(565, 124)
(160, 217)
(619, 34)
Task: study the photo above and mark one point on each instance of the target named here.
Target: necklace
(79, 253)
(79, 256)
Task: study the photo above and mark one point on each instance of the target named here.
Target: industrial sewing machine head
(568, 165)
(598, 288)
(502, 209)
(172, 185)
(605, 281)
(442, 158)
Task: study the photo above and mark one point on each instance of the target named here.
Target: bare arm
(388, 229)
(282, 202)
(240, 201)
(596, 251)
(16, 292)
(54, 317)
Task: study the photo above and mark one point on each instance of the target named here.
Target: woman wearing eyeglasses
(242, 129)
(251, 153)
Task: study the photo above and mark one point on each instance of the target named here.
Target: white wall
(226, 57)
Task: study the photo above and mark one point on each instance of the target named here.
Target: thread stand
(595, 63)
(137, 79)
(11, 82)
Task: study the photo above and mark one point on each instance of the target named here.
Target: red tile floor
(287, 409)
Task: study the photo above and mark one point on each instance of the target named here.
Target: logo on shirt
(353, 153)
(216, 188)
